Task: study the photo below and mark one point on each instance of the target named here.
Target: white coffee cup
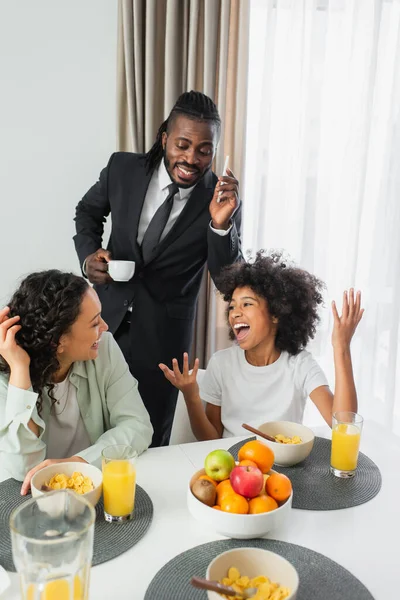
(121, 270)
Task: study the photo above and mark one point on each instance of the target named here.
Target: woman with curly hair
(65, 389)
(268, 375)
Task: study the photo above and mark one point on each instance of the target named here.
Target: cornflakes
(266, 589)
(77, 482)
(283, 439)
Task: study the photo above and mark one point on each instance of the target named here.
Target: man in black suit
(171, 215)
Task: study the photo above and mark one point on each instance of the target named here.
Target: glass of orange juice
(119, 482)
(52, 546)
(346, 433)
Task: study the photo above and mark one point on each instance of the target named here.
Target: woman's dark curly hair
(48, 304)
(292, 296)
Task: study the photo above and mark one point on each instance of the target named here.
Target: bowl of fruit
(244, 499)
(257, 572)
(293, 444)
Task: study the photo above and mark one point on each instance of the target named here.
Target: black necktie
(157, 224)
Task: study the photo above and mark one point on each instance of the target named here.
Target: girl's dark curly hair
(292, 296)
(48, 304)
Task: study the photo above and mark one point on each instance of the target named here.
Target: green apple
(219, 464)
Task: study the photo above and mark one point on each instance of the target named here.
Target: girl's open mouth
(241, 331)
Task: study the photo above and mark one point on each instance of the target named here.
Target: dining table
(365, 539)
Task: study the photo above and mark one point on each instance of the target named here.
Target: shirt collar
(164, 180)
(78, 368)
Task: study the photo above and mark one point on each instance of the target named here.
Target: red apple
(247, 481)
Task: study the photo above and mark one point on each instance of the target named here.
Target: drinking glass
(346, 433)
(119, 482)
(52, 546)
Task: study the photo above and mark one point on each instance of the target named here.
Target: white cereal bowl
(243, 527)
(254, 562)
(67, 468)
(287, 455)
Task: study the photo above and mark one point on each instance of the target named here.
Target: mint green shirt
(109, 402)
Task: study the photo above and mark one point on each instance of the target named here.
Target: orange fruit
(262, 504)
(223, 488)
(217, 507)
(259, 453)
(279, 487)
(207, 478)
(263, 492)
(235, 503)
(247, 463)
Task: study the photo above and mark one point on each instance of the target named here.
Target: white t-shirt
(255, 395)
(67, 434)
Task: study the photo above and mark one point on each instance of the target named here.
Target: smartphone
(223, 174)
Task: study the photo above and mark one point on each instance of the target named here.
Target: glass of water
(52, 546)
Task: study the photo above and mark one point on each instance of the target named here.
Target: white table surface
(364, 539)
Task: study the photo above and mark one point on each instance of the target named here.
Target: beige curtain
(166, 47)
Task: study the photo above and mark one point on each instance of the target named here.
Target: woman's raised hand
(13, 354)
(345, 325)
(186, 381)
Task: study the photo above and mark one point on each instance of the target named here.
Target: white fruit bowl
(254, 562)
(233, 525)
(67, 468)
(287, 455)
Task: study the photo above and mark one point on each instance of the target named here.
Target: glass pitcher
(52, 546)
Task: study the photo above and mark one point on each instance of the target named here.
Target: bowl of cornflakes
(81, 478)
(294, 441)
(269, 574)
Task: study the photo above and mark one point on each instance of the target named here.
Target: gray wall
(57, 125)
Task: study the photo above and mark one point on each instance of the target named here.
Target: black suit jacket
(164, 291)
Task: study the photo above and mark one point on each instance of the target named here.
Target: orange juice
(119, 484)
(345, 446)
(58, 589)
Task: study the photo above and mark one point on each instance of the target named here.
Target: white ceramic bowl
(253, 562)
(287, 455)
(67, 468)
(236, 526)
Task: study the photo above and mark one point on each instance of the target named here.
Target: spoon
(260, 433)
(46, 488)
(214, 586)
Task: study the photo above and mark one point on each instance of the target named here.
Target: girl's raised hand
(345, 325)
(185, 382)
(12, 353)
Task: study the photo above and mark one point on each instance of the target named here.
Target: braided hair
(193, 105)
(48, 303)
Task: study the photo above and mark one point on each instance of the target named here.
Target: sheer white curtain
(323, 167)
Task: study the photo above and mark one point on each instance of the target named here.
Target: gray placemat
(314, 486)
(320, 577)
(110, 539)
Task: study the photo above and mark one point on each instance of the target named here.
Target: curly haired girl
(268, 375)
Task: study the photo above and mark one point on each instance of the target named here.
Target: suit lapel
(140, 183)
(199, 199)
